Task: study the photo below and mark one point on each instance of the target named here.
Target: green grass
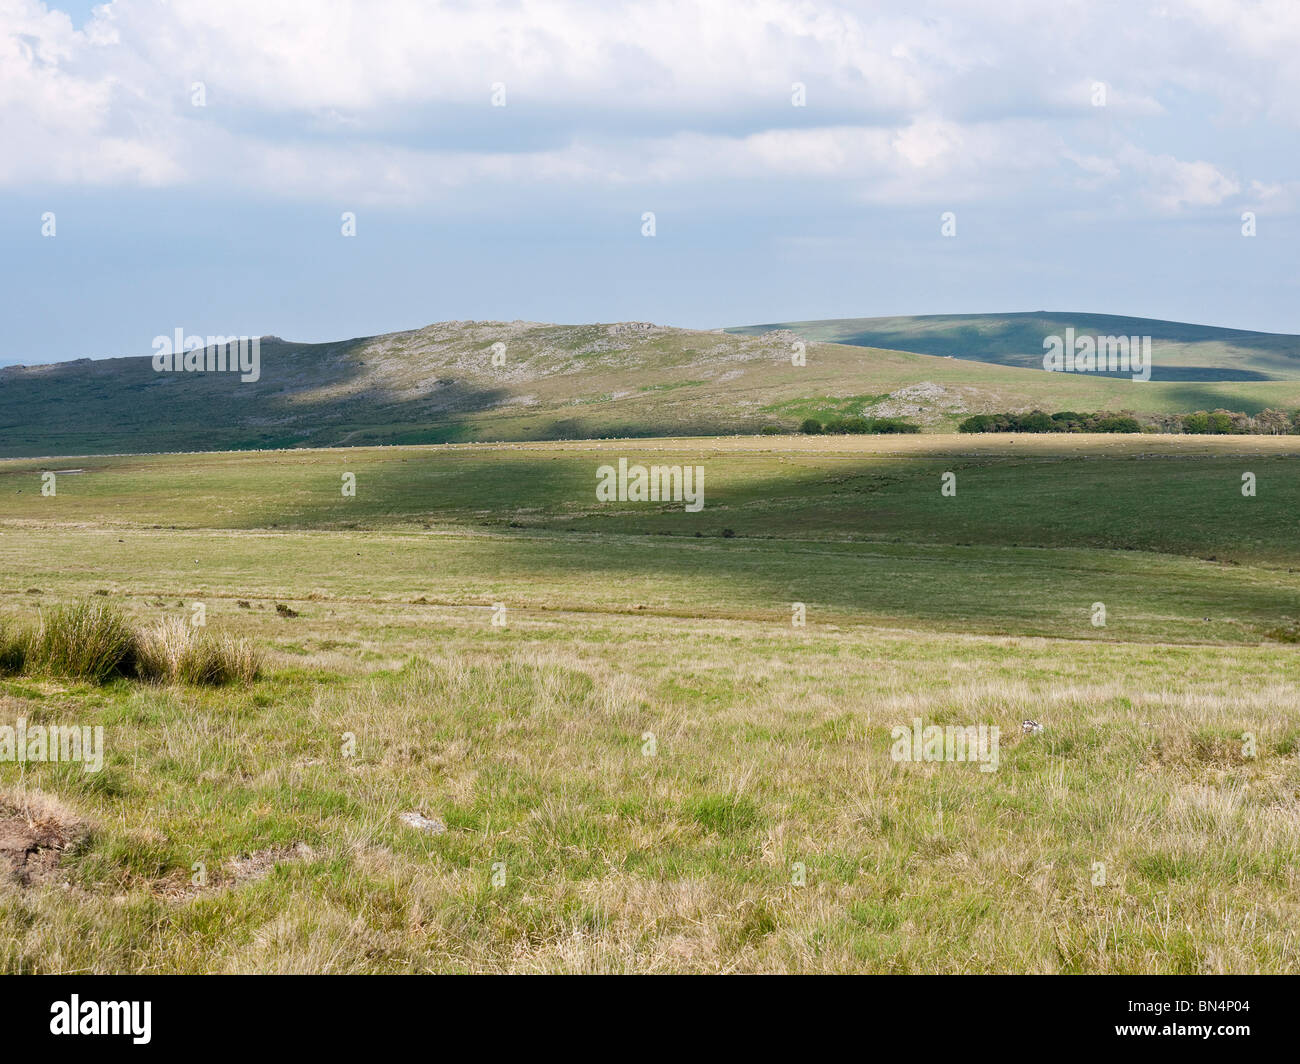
(648, 767)
(92, 640)
(1039, 530)
(88, 640)
(823, 407)
(528, 743)
(15, 646)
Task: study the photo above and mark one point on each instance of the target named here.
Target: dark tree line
(857, 426)
(1201, 422)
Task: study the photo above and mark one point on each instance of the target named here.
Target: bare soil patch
(235, 871)
(36, 830)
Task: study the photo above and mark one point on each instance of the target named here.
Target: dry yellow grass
(771, 750)
(648, 768)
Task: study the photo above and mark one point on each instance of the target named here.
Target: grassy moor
(644, 739)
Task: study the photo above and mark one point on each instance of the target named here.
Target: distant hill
(1180, 352)
(633, 379)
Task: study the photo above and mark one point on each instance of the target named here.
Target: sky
(189, 164)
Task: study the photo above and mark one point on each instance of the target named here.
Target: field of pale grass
(648, 768)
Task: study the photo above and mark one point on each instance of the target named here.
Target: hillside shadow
(307, 395)
(1039, 535)
(1017, 340)
(1191, 396)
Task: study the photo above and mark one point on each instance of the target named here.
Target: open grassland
(1039, 530)
(647, 767)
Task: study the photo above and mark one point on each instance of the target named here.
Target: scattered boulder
(420, 822)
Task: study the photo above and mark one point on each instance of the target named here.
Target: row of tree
(1268, 422)
(1062, 421)
(857, 426)
(1201, 422)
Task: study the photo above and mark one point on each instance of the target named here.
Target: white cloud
(388, 100)
(1171, 183)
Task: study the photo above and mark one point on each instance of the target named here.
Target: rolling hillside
(1181, 352)
(439, 384)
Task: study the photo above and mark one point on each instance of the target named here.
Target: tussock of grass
(174, 652)
(159, 650)
(85, 641)
(92, 640)
(14, 644)
(241, 660)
